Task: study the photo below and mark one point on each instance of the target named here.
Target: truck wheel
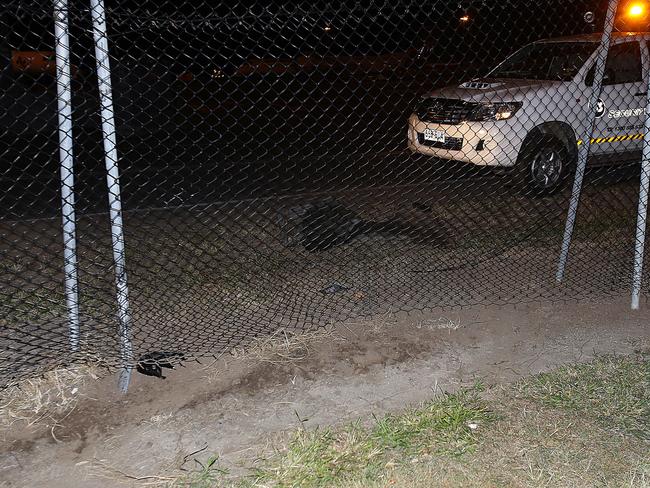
(544, 165)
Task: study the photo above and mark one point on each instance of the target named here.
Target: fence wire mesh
(289, 165)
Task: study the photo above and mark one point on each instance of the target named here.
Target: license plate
(431, 135)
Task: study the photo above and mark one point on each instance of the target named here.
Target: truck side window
(623, 65)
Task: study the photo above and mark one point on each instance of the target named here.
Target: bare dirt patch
(230, 406)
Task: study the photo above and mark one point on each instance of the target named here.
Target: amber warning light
(636, 10)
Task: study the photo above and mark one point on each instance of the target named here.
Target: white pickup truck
(530, 112)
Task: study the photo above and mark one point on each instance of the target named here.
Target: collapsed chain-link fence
(289, 165)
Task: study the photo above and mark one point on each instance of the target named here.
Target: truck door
(620, 113)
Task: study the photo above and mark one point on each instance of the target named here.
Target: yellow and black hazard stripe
(604, 140)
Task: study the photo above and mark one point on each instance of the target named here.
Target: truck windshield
(558, 61)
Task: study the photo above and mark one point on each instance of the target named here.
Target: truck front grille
(444, 110)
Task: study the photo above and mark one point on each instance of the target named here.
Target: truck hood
(494, 89)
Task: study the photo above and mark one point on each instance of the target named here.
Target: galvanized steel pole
(66, 156)
(114, 195)
(642, 212)
(583, 151)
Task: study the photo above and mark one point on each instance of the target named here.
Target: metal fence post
(642, 212)
(583, 152)
(114, 196)
(64, 108)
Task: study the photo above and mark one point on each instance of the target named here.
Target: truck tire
(544, 165)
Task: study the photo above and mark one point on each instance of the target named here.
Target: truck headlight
(494, 111)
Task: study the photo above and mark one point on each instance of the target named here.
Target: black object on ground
(151, 364)
(328, 224)
(334, 287)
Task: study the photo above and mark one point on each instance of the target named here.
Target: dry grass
(46, 399)
(100, 469)
(441, 323)
(281, 347)
(284, 346)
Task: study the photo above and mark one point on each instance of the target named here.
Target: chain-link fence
(292, 164)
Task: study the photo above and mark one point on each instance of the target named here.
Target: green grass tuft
(614, 390)
(445, 426)
(208, 476)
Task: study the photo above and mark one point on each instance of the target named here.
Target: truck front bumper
(479, 143)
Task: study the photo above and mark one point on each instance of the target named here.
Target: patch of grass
(550, 430)
(206, 477)
(323, 457)
(445, 426)
(532, 446)
(30, 305)
(284, 347)
(45, 399)
(613, 390)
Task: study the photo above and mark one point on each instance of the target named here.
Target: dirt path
(232, 406)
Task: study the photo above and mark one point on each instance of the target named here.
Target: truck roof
(596, 37)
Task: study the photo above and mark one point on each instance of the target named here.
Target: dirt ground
(234, 406)
(204, 280)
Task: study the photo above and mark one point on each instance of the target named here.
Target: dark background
(189, 31)
(201, 119)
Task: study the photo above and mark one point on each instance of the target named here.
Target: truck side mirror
(608, 77)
